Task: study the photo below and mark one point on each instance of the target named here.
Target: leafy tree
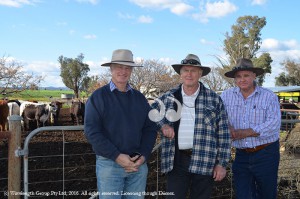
(291, 77)
(244, 42)
(264, 61)
(74, 73)
(12, 77)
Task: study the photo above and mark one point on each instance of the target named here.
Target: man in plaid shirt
(195, 133)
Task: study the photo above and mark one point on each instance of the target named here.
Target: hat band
(190, 61)
(241, 67)
(122, 61)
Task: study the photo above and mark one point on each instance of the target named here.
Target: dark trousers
(255, 174)
(181, 182)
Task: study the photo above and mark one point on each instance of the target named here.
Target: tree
(153, 78)
(214, 80)
(12, 77)
(292, 77)
(74, 73)
(264, 61)
(244, 42)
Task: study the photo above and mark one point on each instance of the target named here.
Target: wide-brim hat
(123, 57)
(244, 64)
(191, 60)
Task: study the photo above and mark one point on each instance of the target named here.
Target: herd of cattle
(35, 114)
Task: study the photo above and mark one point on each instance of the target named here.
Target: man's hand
(126, 162)
(168, 131)
(237, 134)
(219, 173)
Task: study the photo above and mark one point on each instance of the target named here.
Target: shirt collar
(257, 90)
(113, 87)
(195, 94)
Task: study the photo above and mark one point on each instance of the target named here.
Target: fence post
(14, 162)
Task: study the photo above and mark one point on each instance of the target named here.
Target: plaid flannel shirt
(211, 144)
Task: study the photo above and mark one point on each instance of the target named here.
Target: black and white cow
(35, 115)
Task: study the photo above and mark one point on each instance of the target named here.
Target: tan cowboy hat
(123, 57)
(191, 60)
(244, 64)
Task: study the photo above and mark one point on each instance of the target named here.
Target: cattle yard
(63, 162)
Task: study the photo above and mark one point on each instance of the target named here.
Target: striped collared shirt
(112, 86)
(187, 124)
(260, 111)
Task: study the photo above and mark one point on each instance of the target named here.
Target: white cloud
(214, 10)
(38, 67)
(91, 36)
(94, 2)
(271, 44)
(258, 2)
(205, 42)
(145, 19)
(16, 3)
(125, 16)
(219, 9)
(180, 8)
(279, 51)
(177, 7)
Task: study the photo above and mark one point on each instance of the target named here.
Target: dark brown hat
(244, 64)
(191, 60)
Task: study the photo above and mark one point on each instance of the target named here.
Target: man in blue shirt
(254, 116)
(195, 134)
(121, 134)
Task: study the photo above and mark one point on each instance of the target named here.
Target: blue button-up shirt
(112, 86)
(259, 111)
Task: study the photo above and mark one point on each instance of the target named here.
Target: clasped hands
(130, 164)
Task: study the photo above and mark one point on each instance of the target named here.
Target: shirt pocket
(210, 116)
(257, 114)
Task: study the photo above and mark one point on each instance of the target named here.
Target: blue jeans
(114, 183)
(255, 174)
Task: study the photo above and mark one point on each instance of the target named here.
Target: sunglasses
(190, 61)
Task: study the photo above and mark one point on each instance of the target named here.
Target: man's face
(190, 75)
(244, 79)
(120, 74)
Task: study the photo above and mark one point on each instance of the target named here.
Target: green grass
(38, 95)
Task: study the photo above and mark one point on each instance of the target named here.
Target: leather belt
(187, 152)
(255, 149)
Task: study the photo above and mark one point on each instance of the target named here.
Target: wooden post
(14, 162)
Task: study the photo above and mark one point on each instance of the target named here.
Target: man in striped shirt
(196, 138)
(254, 116)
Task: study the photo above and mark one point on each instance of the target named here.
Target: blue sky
(37, 32)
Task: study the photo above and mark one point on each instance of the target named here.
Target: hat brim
(257, 71)
(205, 69)
(122, 63)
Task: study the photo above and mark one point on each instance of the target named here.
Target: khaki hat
(123, 57)
(244, 64)
(191, 60)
